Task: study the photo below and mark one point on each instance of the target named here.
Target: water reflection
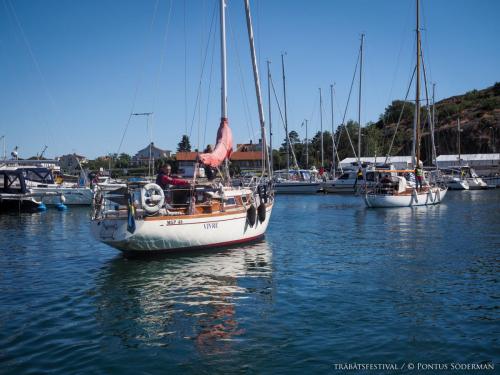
(192, 298)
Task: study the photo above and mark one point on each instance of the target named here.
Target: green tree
(122, 161)
(184, 144)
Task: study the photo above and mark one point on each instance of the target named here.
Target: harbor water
(332, 283)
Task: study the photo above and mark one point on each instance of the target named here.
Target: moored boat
(148, 219)
(295, 181)
(393, 189)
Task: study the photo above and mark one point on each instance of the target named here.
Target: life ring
(261, 212)
(152, 198)
(251, 215)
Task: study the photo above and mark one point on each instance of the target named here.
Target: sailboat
(394, 189)
(291, 180)
(145, 219)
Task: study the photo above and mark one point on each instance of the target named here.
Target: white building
(156, 153)
(484, 164)
(399, 162)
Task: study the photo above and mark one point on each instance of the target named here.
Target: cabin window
(231, 201)
(244, 198)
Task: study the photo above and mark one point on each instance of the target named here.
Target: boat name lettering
(210, 225)
(174, 222)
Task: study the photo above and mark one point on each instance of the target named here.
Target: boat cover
(223, 147)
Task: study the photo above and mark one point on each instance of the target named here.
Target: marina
(322, 288)
(163, 212)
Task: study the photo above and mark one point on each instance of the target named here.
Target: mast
(459, 131)
(4, 150)
(223, 60)
(286, 118)
(333, 131)
(433, 126)
(416, 122)
(321, 126)
(359, 96)
(265, 153)
(307, 147)
(269, 115)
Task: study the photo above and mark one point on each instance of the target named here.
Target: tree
(123, 160)
(184, 144)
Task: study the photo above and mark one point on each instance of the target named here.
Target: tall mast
(307, 148)
(359, 96)
(269, 109)
(333, 131)
(265, 153)
(416, 123)
(4, 150)
(321, 126)
(459, 131)
(433, 126)
(223, 60)
(286, 118)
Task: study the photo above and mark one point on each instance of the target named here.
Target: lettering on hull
(210, 225)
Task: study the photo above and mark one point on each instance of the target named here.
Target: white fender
(152, 198)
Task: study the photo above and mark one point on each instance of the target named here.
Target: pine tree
(184, 144)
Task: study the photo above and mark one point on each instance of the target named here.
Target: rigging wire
(428, 108)
(162, 60)
(208, 93)
(140, 76)
(400, 116)
(283, 122)
(185, 72)
(427, 48)
(246, 106)
(8, 4)
(347, 106)
(202, 70)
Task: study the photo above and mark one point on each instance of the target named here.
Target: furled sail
(222, 149)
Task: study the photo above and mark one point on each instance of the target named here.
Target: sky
(72, 72)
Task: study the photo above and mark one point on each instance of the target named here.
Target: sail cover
(222, 149)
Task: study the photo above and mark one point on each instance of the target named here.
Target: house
(484, 164)
(71, 163)
(156, 153)
(246, 147)
(185, 163)
(245, 160)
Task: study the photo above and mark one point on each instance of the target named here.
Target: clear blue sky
(69, 70)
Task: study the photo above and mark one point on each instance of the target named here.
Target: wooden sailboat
(150, 220)
(394, 189)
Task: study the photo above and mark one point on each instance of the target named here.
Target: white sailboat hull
(343, 186)
(72, 195)
(457, 184)
(164, 234)
(299, 187)
(476, 183)
(431, 197)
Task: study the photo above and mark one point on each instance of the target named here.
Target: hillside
(479, 113)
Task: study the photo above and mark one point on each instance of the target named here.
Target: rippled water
(333, 282)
